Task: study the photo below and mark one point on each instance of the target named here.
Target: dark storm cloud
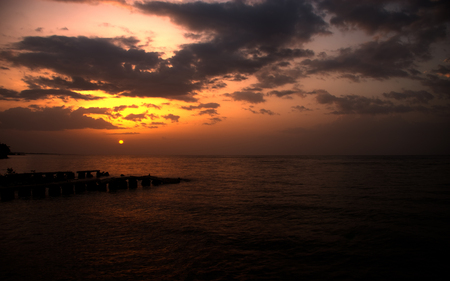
(133, 72)
(49, 119)
(285, 93)
(269, 23)
(92, 2)
(440, 86)
(247, 96)
(356, 78)
(126, 133)
(153, 116)
(247, 36)
(442, 110)
(126, 42)
(158, 123)
(213, 121)
(376, 59)
(84, 54)
(202, 105)
(267, 111)
(210, 112)
(213, 59)
(387, 15)
(94, 110)
(237, 39)
(136, 117)
(372, 16)
(413, 96)
(148, 105)
(171, 117)
(6, 94)
(300, 108)
(216, 83)
(75, 83)
(261, 111)
(235, 77)
(123, 107)
(36, 94)
(274, 76)
(405, 32)
(442, 70)
(288, 93)
(120, 108)
(409, 26)
(243, 37)
(353, 104)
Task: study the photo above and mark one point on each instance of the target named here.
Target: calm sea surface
(239, 218)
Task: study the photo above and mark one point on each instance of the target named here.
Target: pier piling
(7, 194)
(38, 191)
(122, 183)
(102, 186)
(146, 181)
(132, 183)
(112, 186)
(67, 189)
(80, 187)
(91, 185)
(24, 192)
(54, 191)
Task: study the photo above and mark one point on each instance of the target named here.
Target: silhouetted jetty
(51, 184)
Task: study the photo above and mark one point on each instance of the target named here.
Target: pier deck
(38, 185)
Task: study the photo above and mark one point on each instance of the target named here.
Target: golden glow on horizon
(120, 141)
(139, 114)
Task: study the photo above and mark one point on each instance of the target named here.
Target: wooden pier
(53, 184)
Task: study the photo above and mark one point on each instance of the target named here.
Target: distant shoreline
(35, 153)
(208, 155)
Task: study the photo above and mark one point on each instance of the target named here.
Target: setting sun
(120, 141)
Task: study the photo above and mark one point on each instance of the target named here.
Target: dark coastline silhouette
(4, 151)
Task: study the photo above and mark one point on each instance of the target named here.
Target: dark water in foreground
(240, 218)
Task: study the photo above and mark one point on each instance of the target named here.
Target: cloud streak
(173, 118)
(353, 104)
(50, 119)
(36, 94)
(247, 96)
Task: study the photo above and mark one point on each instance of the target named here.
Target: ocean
(238, 218)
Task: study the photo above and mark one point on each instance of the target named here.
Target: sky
(240, 77)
